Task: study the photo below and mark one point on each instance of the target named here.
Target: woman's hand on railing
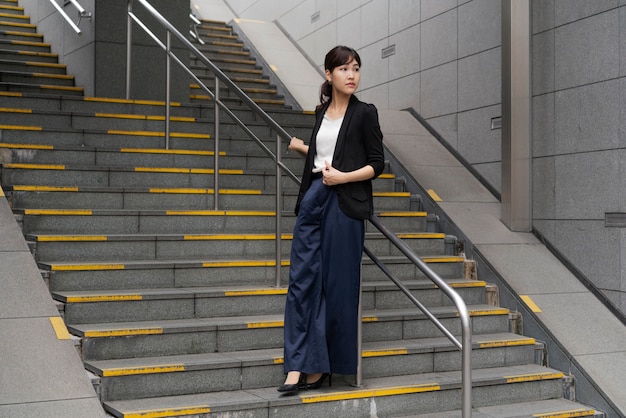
(296, 144)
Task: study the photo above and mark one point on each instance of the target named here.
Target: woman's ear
(328, 76)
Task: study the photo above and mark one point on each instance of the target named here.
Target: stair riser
(100, 157)
(128, 199)
(92, 123)
(14, 16)
(243, 81)
(34, 79)
(15, 46)
(165, 249)
(422, 403)
(135, 277)
(241, 63)
(243, 377)
(210, 307)
(39, 89)
(15, 26)
(13, 55)
(21, 66)
(240, 144)
(210, 340)
(145, 223)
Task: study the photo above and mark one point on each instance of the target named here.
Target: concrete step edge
(194, 362)
(269, 398)
(228, 292)
(207, 263)
(124, 329)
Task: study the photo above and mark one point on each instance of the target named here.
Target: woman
(345, 153)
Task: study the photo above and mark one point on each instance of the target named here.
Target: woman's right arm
(296, 144)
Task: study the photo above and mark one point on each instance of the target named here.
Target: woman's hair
(336, 57)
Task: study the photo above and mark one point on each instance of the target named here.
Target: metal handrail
(465, 345)
(81, 14)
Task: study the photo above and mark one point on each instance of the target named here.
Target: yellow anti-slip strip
(219, 213)
(256, 292)
(13, 110)
(403, 214)
(103, 298)
(533, 377)
(506, 343)
(268, 324)
(437, 259)
(35, 166)
(59, 328)
(391, 194)
(579, 412)
(66, 88)
(71, 238)
(389, 352)
(10, 93)
(244, 263)
(86, 267)
(170, 412)
(64, 212)
(45, 189)
(21, 128)
(186, 170)
(127, 101)
(204, 191)
(371, 393)
(169, 151)
(59, 76)
(28, 43)
(159, 134)
(530, 303)
(26, 146)
(168, 368)
(235, 237)
(123, 332)
(429, 235)
(143, 117)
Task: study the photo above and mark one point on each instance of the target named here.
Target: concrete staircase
(173, 304)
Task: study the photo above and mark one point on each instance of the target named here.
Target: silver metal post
(359, 335)
(278, 212)
(168, 89)
(216, 147)
(129, 42)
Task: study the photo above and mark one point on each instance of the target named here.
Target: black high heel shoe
(292, 388)
(319, 382)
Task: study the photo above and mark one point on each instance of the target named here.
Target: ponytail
(326, 92)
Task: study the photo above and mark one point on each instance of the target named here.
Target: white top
(325, 142)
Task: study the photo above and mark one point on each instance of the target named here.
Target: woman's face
(345, 78)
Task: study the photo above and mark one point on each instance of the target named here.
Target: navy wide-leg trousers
(321, 311)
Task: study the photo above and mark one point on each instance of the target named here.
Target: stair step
(247, 300)
(123, 247)
(390, 396)
(184, 374)
(123, 221)
(547, 408)
(181, 333)
(17, 55)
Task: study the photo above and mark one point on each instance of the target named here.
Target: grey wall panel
(439, 90)
(479, 27)
(438, 43)
(587, 51)
(479, 80)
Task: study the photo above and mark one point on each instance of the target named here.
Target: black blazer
(359, 143)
